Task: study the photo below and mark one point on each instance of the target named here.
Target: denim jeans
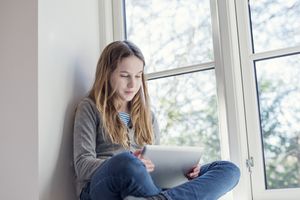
(125, 175)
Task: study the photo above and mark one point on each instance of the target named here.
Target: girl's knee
(123, 157)
(126, 163)
(232, 167)
(232, 170)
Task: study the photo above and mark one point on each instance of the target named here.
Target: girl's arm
(85, 130)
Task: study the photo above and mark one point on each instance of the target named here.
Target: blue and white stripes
(125, 118)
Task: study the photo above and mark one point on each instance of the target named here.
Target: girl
(114, 122)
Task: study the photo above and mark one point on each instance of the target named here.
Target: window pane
(186, 108)
(279, 97)
(275, 24)
(171, 33)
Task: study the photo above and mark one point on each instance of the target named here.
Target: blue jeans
(125, 175)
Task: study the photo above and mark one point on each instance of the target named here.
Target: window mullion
(230, 90)
(105, 23)
(118, 16)
(180, 70)
(275, 53)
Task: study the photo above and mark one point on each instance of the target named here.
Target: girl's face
(127, 78)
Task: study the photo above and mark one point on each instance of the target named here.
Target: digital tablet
(171, 163)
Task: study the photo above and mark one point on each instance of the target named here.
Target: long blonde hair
(107, 100)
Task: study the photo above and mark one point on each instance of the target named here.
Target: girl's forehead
(131, 64)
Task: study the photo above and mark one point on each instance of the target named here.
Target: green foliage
(189, 119)
(281, 143)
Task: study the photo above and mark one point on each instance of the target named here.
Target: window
(175, 38)
(275, 24)
(224, 74)
(271, 67)
(279, 94)
(187, 109)
(171, 33)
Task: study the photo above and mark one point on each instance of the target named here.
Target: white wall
(18, 100)
(48, 54)
(68, 53)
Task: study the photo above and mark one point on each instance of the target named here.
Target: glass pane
(170, 33)
(275, 24)
(279, 99)
(186, 108)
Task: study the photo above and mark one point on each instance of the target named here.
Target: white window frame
(111, 26)
(233, 132)
(231, 90)
(251, 107)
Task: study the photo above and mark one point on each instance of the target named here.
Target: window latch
(250, 163)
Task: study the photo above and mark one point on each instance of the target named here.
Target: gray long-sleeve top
(91, 148)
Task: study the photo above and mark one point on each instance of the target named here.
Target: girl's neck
(124, 108)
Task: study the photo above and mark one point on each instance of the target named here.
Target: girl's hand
(147, 162)
(194, 173)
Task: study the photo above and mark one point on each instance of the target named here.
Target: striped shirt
(125, 118)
